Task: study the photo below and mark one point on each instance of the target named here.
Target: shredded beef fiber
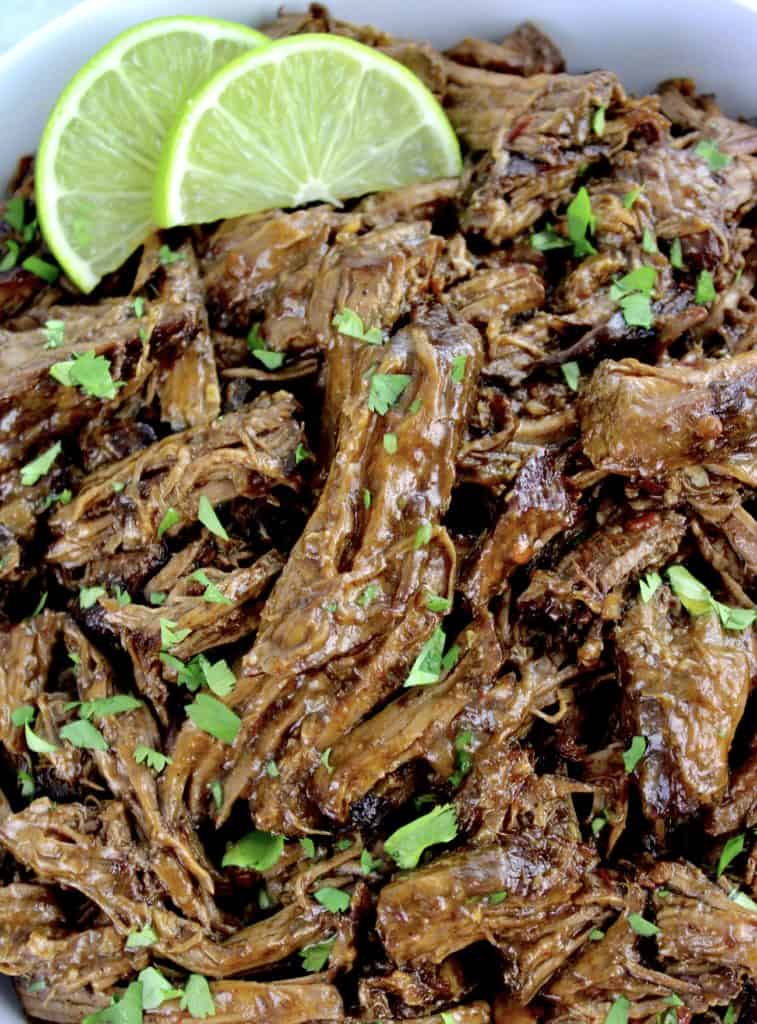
(405, 672)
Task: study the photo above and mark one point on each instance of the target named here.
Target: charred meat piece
(524, 51)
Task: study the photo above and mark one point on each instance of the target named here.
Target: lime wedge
(311, 117)
(96, 164)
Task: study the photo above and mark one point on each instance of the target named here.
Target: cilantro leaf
(581, 221)
(23, 715)
(637, 310)
(390, 443)
(548, 239)
(641, 926)
(170, 518)
(15, 213)
(219, 677)
(213, 593)
(649, 586)
(83, 734)
(649, 242)
(641, 279)
(215, 718)
(368, 596)
(705, 292)
(197, 998)
(730, 852)
(325, 760)
(464, 761)
(495, 898)
(598, 823)
(450, 659)
(10, 259)
(155, 988)
(735, 618)
(64, 497)
(157, 597)
(142, 939)
(368, 863)
(333, 899)
(406, 845)
(316, 956)
(385, 391)
(301, 453)
(26, 784)
(207, 516)
(598, 121)
(258, 851)
(127, 1010)
(366, 498)
(39, 467)
(422, 536)
(39, 605)
(308, 847)
(676, 254)
(270, 359)
(630, 197)
(166, 257)
(37, 743)
(89, 372)
(216, 791)
(596, 935)
(742, 900)
(634, 754)
(618, 1012)
(154, 759)
(122, 597)
(42, 269)
(708, 149)
(697, 600)
(572, 374)
(343, 844)
(272, 770)
(427, 667)
(139, 307)
(458, 368)
(348, 322)
(435, 603)
(170, 636)
(55, 331)
(115, 705)
(88, 596)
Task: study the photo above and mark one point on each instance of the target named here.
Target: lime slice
(96, 165)
(311, 117)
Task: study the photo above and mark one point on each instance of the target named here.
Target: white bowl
(644, 41)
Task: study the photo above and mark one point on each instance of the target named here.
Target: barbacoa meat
(344, 673)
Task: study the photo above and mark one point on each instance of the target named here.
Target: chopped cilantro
(156, 989)
(170, 636)
(676, 254)
(270, 359)
(10, 259)
(63, 497)
(618, 1012)
(41, 269)
(170, 518)
(212, 593)
(406, 845)
(39, 606)
(596, 935)
(122, 597)
(366, 498)
(39, 467)
(458, 368)
(15, 215)
(422, 536)
(369, 595)
(729, 1017)
(390, 443)
(641, 926)
(630, 197)
(301, 453)
(343, 844)
(197, 998)
(26, 784)
(333, 899)
(368, 863)
(316, 956)
(207, 516)
(168, 256)
(730, 852)
(55, 331)
(37, 743)
(215, 718)
(495, 898)
(708, 149)
(89, 372)
(649, 585)
(598, 121)
(572, 374)
(348, 322)
(142, 939)
(385, 391)
(637, 310)
(742, 900)
(115, 705)
(634, 754)
(581, 221)
(118, 486)
(127, 1010)
(139, 307)
(598, 823)
(272, 769)
(216, 791)
(697, 600)
(414, 406)
(649, 242)
(464, 761)
(157, 597)
(257, 851)
(88, 596)
(427, 667)
(705, 292)
(83, 734)
(642, 279)
(435, 603)
(548, 239)
(308, 847)
(154, 759)
(325, 760)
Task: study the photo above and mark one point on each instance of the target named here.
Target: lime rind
(96, 162)
(310, 117)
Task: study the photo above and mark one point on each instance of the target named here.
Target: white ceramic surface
(644, 41)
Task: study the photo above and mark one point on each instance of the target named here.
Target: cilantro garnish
(39, 467)
(406, 845)
(348, 322)
(89, 372)
(386, 390)
(214, 718)
(154, 759)
(257, 851)
(207, 516)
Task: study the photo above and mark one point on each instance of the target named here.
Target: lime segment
(311, 117)
(96, 165)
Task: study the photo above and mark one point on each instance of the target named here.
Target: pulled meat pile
(378, 584)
